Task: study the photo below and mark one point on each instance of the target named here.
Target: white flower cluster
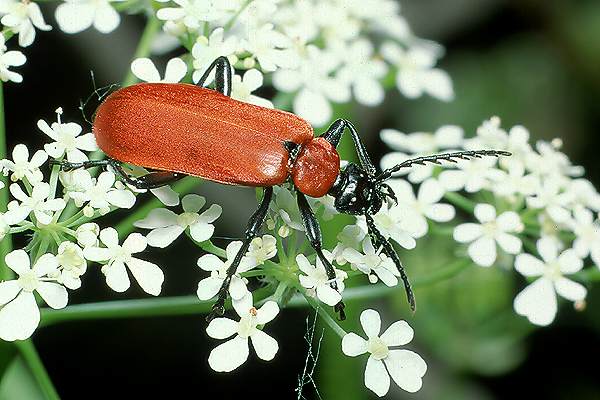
(321, 51)
(63, 237)
(536, 195)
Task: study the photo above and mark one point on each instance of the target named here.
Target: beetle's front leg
(253, 230)
(71, 166)
(151, 180)
(313, 232)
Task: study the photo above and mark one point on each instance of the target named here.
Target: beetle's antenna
(435, 159)
(99, 92)
(380, 241)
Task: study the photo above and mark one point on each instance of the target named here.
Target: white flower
(167, 226)
(194, 12)
(74, 16)
(38, 203)
(538, 301)
(404, 366)
(229, 355)
(100, 194)
(373, 264)
(416, 74)
(363, 71)
(209, 287)
(492, 229)
(22, 17)
(471, 175)
(145, 70)
(514, 182)
(318, 282)
(445, 137)
(9, 59)
(67, 140)
(424, 205)
(149, 276)
(585, 193)
(285, 206)
(72, 264)
(22, 167)
(19, 313)
(550, 197)
(489, 136)
(4, 225)
(393, 223)
(262, 249)
(206, 50)
(315, 85)
(87, 234)
(242, 88)
(270, 48)
(350, 237)
(587, 232)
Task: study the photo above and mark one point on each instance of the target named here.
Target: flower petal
(371, 322)
(569, 262)
(157, 218)
(192, 203)
(208, 288)
(528, 265)
(466, 233)
(162, 237)
(229, 355)
(485, 212)
(18, 261)
(116, 277)
(201, 232)
(267, 312)
(569, 289)
(265, 346)
(483, 251)
(376, 377)
(176, 70)
(353, 345)
(54, 295)
(509, 243)
(144, 69)
(221, 328)
(149, 276)
(210, 262)
(8, 291)
(398, 334)
(406, 369)
(19, 318)
(537, 302)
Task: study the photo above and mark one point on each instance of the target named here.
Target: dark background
(529, 62)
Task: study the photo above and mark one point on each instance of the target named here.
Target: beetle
(180, 129)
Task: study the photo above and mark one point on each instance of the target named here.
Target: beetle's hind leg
(151, 180)
(71, 166)
(223, 77)
(313, 231)
(252, 230)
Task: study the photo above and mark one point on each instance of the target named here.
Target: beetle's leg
(379, 241)
(252, 230)
(334, 134)
(313, 232)
(151, 180)
(223, 77)
(70, 166)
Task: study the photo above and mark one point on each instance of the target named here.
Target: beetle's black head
(358, 193)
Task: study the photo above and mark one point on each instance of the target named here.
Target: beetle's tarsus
(339, 309)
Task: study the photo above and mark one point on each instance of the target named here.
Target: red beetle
(183, 129)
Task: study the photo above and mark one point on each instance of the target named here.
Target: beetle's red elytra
(178, 129)
(197, 131)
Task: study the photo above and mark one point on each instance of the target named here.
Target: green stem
(143, 48)
(6, 242)
(190, 305)
(589, 274)
(325, 316)
(460, 201)
(153, 307)
(31, 357)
